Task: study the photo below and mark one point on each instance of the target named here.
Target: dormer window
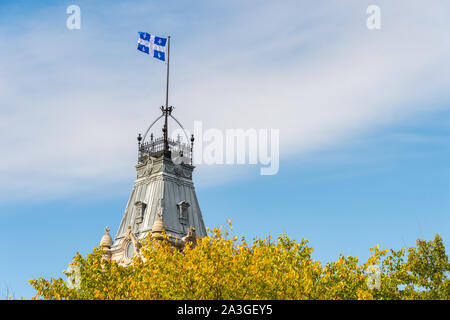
(140, 208)
(183, 209)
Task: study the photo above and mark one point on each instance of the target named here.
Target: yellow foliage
(222, 268)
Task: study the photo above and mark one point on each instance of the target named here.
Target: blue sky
(363, 118)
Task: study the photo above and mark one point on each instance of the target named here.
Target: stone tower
(163, 196)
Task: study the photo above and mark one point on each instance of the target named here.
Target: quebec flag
(151, 44)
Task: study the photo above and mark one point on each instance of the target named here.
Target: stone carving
(106, 242)
(179, 171)
(158, 227)
(191, 237)
(146, 170)
(187, 174)
(148, 167)
(157, 168)
(129, 237)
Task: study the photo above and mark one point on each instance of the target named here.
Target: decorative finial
(139, 139)
(158, 226)
(106, 240)
(192, 148)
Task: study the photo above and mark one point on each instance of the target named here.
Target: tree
(220, 267)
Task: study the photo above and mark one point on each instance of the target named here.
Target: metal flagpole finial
(192, 148)
(139, 139)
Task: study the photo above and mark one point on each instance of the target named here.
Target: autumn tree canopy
(222, 267)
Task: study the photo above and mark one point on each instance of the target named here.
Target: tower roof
(163, 196)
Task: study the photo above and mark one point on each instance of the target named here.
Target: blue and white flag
(151, 44)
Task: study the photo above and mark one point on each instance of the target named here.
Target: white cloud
(72, 103)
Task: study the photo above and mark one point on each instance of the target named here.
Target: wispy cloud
(72, 102)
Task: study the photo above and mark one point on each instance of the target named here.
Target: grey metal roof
(161, 185)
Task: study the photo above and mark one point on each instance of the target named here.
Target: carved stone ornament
(106, 243)
(129, 237)
(147, 169)
(179, 171)
(190, 237)
(169, 168)
(158, 227)
(157, 168)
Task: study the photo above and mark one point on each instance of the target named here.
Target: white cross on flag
(151, 44)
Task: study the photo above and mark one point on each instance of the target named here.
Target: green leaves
(222, 267)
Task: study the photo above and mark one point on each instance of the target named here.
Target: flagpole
(168, 62)
(167, 111)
